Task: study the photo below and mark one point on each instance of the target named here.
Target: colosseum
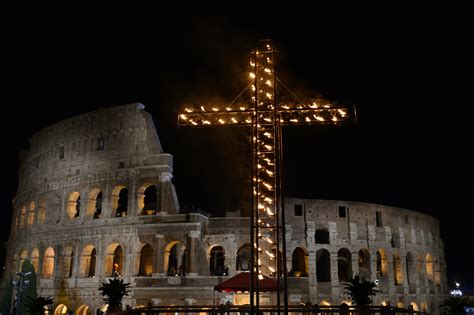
(95, 191)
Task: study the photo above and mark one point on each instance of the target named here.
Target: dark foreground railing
(270, 310)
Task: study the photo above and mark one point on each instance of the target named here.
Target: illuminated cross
(266, 117)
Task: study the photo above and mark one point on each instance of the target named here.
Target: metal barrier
(270, 310)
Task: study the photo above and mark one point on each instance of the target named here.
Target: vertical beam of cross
(266, 117)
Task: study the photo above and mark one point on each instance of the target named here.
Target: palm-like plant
(455, 305)
(114, 291)
(36, 305)
(360, 291)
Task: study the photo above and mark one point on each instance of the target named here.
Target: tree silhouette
(360, 291)
(114, 291)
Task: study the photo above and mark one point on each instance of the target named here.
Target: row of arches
(146, 201)
(174, 262)
(92, 205)
(31, 214)
(113, 261)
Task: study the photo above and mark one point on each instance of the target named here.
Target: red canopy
(241, 282)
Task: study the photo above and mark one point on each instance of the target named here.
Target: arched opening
(381, 263)
(41, 217)
(299, 263)
(61, 309)
(175, 259)
(67, 262)
(48, 263)
(150, 200)
(22, 216)
(35, 259)
(98, 207)
(344, 265)
(429, 267)
(83, 310)
(414, 306)
(91, 272)
(94, 204)
(397, 269)
(323, 266)
(117, 261)
(88, 261)
(400, 305)
(31, 214)
(74, 205)
(363, 262)
(146, 261)
(114, 260)
(217, 261)
(243, 258)
(321, 236)
(120, 201)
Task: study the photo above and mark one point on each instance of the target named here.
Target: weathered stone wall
(76, 165)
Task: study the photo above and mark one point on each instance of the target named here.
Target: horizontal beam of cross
(291, 116)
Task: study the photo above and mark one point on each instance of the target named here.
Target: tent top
(241, 283)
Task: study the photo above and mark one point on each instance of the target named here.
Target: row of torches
(244, 117)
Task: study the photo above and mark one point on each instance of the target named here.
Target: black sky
(406, 67)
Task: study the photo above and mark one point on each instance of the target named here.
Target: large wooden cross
(266, 117)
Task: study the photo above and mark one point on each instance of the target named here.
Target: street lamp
(19, 285)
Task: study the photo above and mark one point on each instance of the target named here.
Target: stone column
(62, 215)
(58, 266)
(132, 208)
(355, 263)
(76, 263)
(165, 197)
(390, 272)
(158, 264)
(373, 265)
(127, 269)
(334, 274)
(84, 194)
(403, 261)
(106, 202)
(192, 255)
(312, 281)
(100, 261)
(39, 272)
(288, 254)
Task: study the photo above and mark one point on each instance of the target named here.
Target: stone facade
(95, 191)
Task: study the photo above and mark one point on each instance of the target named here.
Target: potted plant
(113, 293)
(360, 292)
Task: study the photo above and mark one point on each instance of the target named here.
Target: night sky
(405, 67)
